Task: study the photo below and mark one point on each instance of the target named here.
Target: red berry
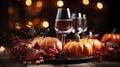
(51, 50)
(31, 56)
(51, 55)
(42, 52)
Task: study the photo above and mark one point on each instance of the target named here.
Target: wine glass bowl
(79, 23)
(84, 23)
(63, 22)
(76, 18)
(63, 26)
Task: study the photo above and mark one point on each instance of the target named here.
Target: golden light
(45, 24)
(99, 5)
(29, 24)
(18, 26)
(39, 4)
(60, 3)
(85, 2)
(28, 2)
(2, 48)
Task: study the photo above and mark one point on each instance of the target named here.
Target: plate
(70, 61)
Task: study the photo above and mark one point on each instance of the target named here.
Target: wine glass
(63, 23)
(76, 18)
(79, 24)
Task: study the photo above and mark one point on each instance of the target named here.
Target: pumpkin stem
(77, 36)
(90, 35)
(114, 30)
(45, 33)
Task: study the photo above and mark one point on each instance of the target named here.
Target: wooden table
(6, 62)
(9, 63)
(87, 64)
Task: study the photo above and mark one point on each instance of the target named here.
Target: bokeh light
(99, 5)
(29, 24)
(60, 3)
(85, 2)
(18, 26)
(45, 24)
(2, 48)
(39, 4)
(28, 2)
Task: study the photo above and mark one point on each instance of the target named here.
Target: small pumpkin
(83, 47)
(96, 44)
(47, 42)
(114, 37)
(78, 49)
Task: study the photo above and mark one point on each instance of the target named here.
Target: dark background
(101, 21)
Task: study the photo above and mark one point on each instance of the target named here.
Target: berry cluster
(109, 52)
(22, 53)
(14, 39)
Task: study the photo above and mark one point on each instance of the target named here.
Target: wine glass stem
(77, 36)
(63, 39)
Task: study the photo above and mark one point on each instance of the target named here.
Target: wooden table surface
(6, 62)
(87, 64)
(9, 63)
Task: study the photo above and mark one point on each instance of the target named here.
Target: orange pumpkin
(44, 42)
(47, 42)
(111, 37)
(96, 44)
(78, 49)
